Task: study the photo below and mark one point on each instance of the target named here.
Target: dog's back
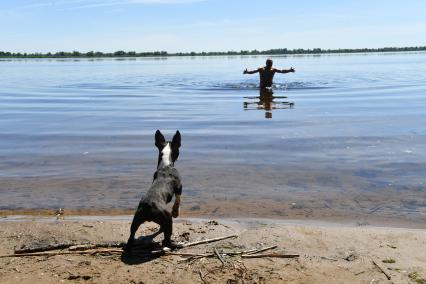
(167, 183)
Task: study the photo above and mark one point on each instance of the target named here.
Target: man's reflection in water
(266, 102)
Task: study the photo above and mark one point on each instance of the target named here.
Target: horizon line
(275, 51)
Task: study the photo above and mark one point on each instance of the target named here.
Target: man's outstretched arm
(250, 72)
(285, 70)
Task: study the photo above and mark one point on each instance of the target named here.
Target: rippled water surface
(79, 133)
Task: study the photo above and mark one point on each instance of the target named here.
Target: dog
(166, 183)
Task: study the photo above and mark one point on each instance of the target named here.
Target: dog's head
(168, 150)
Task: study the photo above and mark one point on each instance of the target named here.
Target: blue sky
(208, 25)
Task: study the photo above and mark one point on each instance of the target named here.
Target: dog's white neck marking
(166, 156)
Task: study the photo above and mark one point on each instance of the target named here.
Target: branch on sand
(116, 248)
(94, 248)
(208, 241)
(69, 246)
(381, 269)
(51, 253)
(44, 248)
(280, 255)
(219, 256)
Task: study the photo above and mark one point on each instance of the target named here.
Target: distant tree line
(277, 51)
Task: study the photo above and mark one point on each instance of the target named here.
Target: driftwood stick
(95, 246)
(382, 270)
(192, 256)
(107, 250)
(70, 246)
(251, 251)
(45, 248)
(208, 241)
(50, 253)
(189, 254)
(243, 252)
(219, 256)
(112, 250)
(270, 255)
(329, 258)
(81, 249)
(259, 250)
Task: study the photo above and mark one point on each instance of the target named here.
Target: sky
(208, 25)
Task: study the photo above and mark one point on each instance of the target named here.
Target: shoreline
(127, 215)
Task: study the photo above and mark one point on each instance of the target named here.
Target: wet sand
(328, 252)
(279, 192)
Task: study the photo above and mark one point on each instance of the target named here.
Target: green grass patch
(388, 260)
(414, 276)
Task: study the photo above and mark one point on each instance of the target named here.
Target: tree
(119, 53)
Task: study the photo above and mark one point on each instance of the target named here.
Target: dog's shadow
(145, 249)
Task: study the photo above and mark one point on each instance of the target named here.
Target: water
(79, 134)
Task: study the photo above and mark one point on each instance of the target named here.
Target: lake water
(79, 134)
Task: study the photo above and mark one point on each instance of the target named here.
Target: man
(267, 74)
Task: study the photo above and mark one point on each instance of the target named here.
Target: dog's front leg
(175, 210)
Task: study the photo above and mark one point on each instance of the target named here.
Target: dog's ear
(159, 139)
(176, 140)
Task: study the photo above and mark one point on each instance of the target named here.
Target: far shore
(163, 54)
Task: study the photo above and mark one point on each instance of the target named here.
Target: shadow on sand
(145, 249)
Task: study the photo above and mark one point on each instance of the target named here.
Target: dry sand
(329, 252)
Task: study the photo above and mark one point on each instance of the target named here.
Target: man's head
(269, 62)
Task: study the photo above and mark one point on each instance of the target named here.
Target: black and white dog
(167, 183)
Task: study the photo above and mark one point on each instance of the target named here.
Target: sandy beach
(329, 252)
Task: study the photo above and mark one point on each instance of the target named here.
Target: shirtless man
(267, 73)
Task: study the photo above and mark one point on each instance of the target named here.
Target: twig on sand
(219, 256)
(51, 253)
(329, 258)
(195, 256)
(190, 254)
(69, 246)
(253, 251)
(381, 269)
(116, 248)
(208, 241)
(280, 255)
(45, 248)
(95, 246)
(201, 276)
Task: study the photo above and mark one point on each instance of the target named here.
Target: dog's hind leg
(137, 221)
(167, 227)
(166, 224)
